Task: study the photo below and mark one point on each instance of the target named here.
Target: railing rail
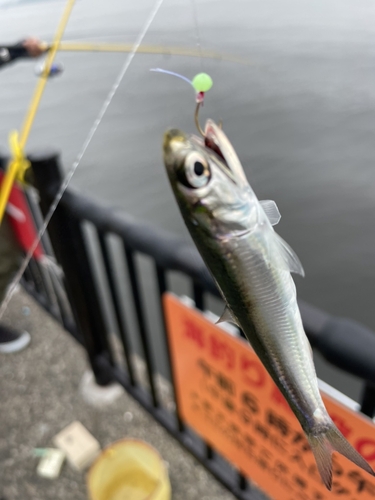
(346, 344)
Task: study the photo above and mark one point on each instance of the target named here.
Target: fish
(251, 265)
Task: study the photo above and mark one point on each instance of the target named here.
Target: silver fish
(251, 265)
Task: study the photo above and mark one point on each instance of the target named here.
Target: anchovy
(251, 265)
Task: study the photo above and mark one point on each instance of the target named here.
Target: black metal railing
(114, 290)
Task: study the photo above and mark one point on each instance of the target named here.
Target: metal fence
(116, 270)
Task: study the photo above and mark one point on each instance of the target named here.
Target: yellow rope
(147, 49)
(19, 164)
(44, 76)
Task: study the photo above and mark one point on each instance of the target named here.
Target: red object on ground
(21, 220)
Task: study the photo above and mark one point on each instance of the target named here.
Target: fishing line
(64, 185)
(173, 73)
(197, 31)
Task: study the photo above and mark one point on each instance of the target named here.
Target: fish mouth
(212, 141)
(217, 141)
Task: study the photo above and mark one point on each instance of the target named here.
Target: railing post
(368, 399)
(66, 236)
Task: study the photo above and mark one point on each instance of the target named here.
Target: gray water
(301, 116)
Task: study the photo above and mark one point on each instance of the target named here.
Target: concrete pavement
(40, 395)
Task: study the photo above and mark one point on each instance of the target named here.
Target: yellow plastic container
(128, 470)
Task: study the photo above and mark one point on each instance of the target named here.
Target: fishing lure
(201, 83)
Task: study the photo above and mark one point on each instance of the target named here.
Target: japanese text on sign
(227, 396)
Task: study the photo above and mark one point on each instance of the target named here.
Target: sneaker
(11, 340)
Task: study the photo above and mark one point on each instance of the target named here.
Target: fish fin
(227, 316)
(290, 257)
(324, 444)
(322, 450)
(271, 210)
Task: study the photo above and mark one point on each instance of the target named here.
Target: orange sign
(227, 396)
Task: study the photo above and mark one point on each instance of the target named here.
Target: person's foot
(12, 340)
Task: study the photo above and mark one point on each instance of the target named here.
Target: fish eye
(196, 172)
(198, 168)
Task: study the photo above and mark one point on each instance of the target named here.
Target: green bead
(202, 82)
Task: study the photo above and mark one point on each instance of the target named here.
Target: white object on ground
(80, 447)
(98, 395)
(50, 464)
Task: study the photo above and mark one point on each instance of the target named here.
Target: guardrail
(111, 289)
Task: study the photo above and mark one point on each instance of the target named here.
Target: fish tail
(327, 441)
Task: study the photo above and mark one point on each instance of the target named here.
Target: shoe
(13, 341)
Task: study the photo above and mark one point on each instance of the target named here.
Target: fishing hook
(196, 119)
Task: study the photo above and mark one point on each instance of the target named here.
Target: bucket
(128, 470)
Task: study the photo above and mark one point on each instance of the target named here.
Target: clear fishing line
(173, 73)
(197, 31)
(64, 185)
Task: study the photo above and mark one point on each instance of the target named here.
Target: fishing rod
(19, 164)
(146, 49)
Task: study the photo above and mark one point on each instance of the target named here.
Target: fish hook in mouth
(216, 140)
(208, 141)
(210, 144)
(196, 119)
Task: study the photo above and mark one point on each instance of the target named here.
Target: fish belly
(260, 292)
